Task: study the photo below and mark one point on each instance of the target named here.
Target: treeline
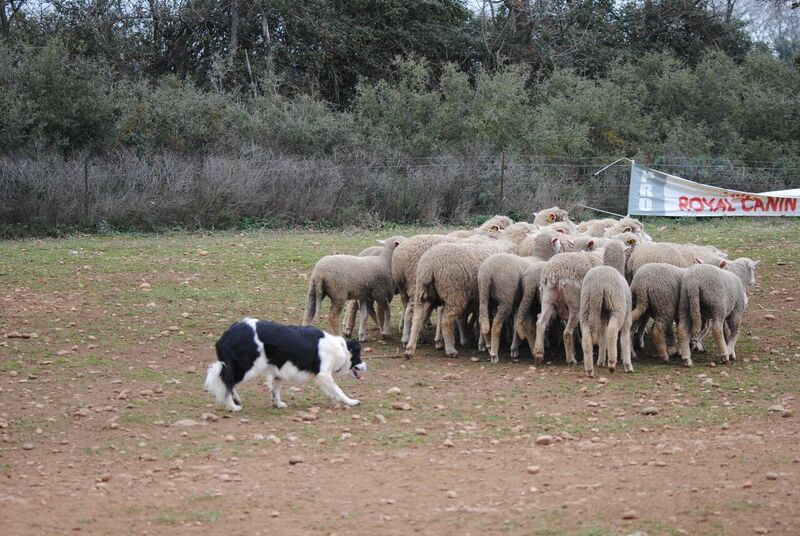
(367, 111)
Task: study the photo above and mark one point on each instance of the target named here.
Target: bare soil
(88, 411)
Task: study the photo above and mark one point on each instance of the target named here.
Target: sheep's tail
(642, 303)
(690, 306)
(592, 311)
(484, 292)
(425, 290)
(314, 303)
(214, 382)
(694, 309)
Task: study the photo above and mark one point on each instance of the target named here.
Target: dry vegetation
(124, 327)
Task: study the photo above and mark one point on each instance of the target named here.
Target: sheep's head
(743, 268)
(392, 242)
(550, 215)
(495, 224)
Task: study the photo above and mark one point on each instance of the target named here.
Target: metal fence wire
(127, 190)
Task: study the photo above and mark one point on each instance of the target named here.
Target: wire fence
(43, 193)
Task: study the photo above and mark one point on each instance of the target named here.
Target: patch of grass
(130, 417)
(205, 497)
(204, 515)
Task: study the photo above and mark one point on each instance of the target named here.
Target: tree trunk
(4, 22)
(265, 31)
(234, 44)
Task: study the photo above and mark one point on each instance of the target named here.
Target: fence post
(86, 189)
(502, 180)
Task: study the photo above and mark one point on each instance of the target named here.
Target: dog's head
(357, 367)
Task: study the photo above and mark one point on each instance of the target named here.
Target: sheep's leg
(718, 331)
(569, 343)
(546, 314)
(350, 317)
(402, 321)
(450, 316)
(383, 305)
(373, 315)
(362, 324)
(611, 338)
(659, 340)
(333, 316)
(683, 340)
(438, 342)
(733, 324)
(500, 317)
(514, 342)
(602, 357)
(625, 345)
(588, 351)
(421, 311)
(463, 330)
(639, 327)
(408, 315)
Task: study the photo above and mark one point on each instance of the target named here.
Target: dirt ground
(105, 428)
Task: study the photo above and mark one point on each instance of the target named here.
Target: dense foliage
(365, 83)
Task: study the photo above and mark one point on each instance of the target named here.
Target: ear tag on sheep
(551, 218)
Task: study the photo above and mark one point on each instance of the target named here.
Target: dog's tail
(214, 382)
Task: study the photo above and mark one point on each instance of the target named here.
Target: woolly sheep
(656, 290)
(447, 274)
(349, 277)
(560, 288)
(681, 255)
(596, 228)
(563, 227)
(717, 295)
(627, 225)
(407, 255)
(541, 244)
(605, 318)
(353, 306)
(500, 283)
(552, 215)
(530, 303)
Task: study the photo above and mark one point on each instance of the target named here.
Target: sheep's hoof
(629, 369)
(348, 333)
(612, 369)
(452, 354)
(665, 358)
(687, 362)
(439, 345)
(494, 358)
(409, 354)
(590, 373)
(572, 362)
(732, 357)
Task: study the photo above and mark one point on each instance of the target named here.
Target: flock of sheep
(606, 276)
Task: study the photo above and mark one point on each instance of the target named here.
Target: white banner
(654, 193)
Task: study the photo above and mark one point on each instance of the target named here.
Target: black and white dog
(282, 353)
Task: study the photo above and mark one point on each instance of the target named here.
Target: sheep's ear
(627, 229)
(590, 244)
(381, 242)
(723, 263)
(494, 228)
(555, 240)
(558, 247)
(396, 243)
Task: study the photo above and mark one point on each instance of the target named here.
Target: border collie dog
(281, 353)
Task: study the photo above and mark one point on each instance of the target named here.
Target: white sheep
(500, 284)
(407, 255)
(447, 274)
(716, 295)
(349, 277)
(560, 292)
(605, 318)
(681, 255)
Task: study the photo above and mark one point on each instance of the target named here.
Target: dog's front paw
(281, 405)
(352, 402)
